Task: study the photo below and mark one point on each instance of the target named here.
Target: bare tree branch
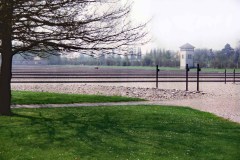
(73, 25)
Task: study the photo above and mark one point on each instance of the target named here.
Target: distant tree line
(161, 57)
(225, 58)
(153, 57)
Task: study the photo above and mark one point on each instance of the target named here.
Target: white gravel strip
(218, 98)
(151, 94)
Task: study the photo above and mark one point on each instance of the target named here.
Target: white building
(186, 56)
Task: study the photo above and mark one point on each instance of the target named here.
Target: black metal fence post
(225, 76)
(198, 70)
(187, 70)
(234, 75)
(157, 70)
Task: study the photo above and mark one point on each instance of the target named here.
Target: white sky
(202, 23)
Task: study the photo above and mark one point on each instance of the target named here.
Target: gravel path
(218, 98)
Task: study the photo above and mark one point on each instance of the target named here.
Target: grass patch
(143, 67)
(126, 132)
(171, 68)
(229, 70)
(27, 97)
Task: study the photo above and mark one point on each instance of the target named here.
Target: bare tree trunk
(6, 53)
(5, 86)
(6, 74)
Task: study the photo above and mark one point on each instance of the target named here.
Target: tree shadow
(86, 133)
(83, 136)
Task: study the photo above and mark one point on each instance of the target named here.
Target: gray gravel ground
(218, 98)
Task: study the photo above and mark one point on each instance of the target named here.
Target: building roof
(187, 46)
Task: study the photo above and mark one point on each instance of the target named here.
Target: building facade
(186, 56)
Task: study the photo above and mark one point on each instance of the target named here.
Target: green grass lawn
(117, 132)
(217, 70)
(171, 68)
(143, 67)
(146, 68)
(27, 97)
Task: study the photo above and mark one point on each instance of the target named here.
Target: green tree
(202, 57)
(161, 57)
(148, 60)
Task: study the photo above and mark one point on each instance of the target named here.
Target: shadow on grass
(129, 132)
(83, 136)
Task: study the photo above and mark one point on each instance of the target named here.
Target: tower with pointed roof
(186, 56)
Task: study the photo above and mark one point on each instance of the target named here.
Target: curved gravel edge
(219, 99)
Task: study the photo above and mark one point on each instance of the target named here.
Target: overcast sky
(203, 23)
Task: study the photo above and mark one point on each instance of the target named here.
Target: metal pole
(225, 76)
(234, 75)
(157, 70)
(198, 70)
(187, 70)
